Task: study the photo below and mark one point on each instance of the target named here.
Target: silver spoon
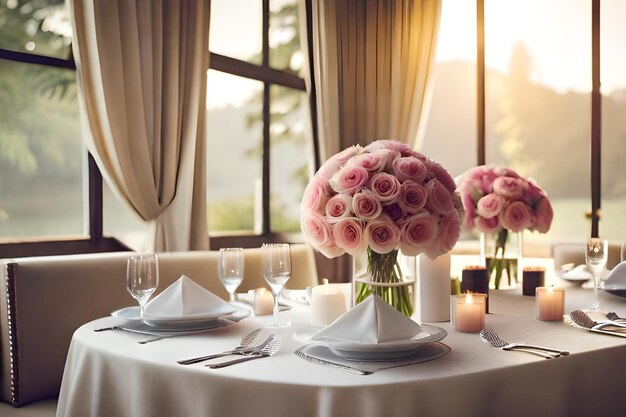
(247, 343)
(272, 347)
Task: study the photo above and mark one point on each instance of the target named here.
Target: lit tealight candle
(262, 301)
(327, 303)
(469, 313)
(550, 303)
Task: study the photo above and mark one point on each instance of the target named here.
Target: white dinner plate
(619, 290)
(134, 314)
(221, 311)
(385, 350)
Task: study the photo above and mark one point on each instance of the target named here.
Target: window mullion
(596, 120)
(267, 227)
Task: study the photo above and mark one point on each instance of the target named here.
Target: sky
(557, 34)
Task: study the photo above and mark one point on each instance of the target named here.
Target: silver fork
(270, 349)
(246, 345)
(491, 337)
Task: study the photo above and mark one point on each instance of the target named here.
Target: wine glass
(230, 269)
(142, 277)
(276, 259)
(595, 257)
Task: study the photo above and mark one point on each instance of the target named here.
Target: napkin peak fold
(184, 297)
(617, 276)
(371, 321)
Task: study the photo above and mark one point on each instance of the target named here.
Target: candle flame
(325, 281)
(469, 299)
(550, 289)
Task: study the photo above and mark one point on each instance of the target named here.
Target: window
(41, 154)
(259, 142)
(613, 89)
(538, 102)
(538, 91)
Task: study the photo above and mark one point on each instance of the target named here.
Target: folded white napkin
(184, 298)
(371, 321)
(617, 276)
(579, 272)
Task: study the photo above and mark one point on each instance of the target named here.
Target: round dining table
(109, 373)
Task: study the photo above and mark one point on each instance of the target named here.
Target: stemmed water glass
(276, 259)
(595, 257)
(142, 277)
(230, 269)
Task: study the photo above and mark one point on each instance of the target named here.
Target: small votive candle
(327, 303)
(550, 303)
(532, 277)
(261, 301)
(475, 278)
(469, 312)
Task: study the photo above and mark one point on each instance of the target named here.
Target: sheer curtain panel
(372, 65)
(141, 69)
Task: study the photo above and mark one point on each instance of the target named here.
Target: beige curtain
(141, 67)
(372, 65)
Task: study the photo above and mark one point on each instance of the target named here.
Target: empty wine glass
(276, 259)
(230, 269)
(142, 277)
(595, 257)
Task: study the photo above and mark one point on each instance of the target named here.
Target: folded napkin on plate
(184, 298)
(617, 276)
(579, 272)
(371, 321)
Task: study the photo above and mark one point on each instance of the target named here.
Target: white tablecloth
(110, 374)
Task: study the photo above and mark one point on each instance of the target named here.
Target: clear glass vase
(390, 275)
(501, 253)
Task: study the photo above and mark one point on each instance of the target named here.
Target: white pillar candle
(327, 303)
(469, 312)
(549, 303)
(261, 301)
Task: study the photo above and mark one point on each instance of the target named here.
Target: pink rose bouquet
(498, 200)
(381, 199)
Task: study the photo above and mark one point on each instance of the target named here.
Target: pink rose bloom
(393, 145)
(509, 187)
(491, 225)
(348, 234)
(332, 165)
(383, 235)
(349, 179)
(371, 161)
(394, 212)
(443, 176)
(365, 205)
(438, 198)
(418, 233)
(412, 197)
(489, 206)
(331, 250)
(449, 234)
(480, 178)
(385, 186)
(543, 216)
(316, 229)
(316, 195)
(516, 216)
(339, 206)
(533, 193)
(407, 168)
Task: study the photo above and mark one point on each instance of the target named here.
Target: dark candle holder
(533, 277)
(476, 280)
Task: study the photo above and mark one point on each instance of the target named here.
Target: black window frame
(269, 76)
